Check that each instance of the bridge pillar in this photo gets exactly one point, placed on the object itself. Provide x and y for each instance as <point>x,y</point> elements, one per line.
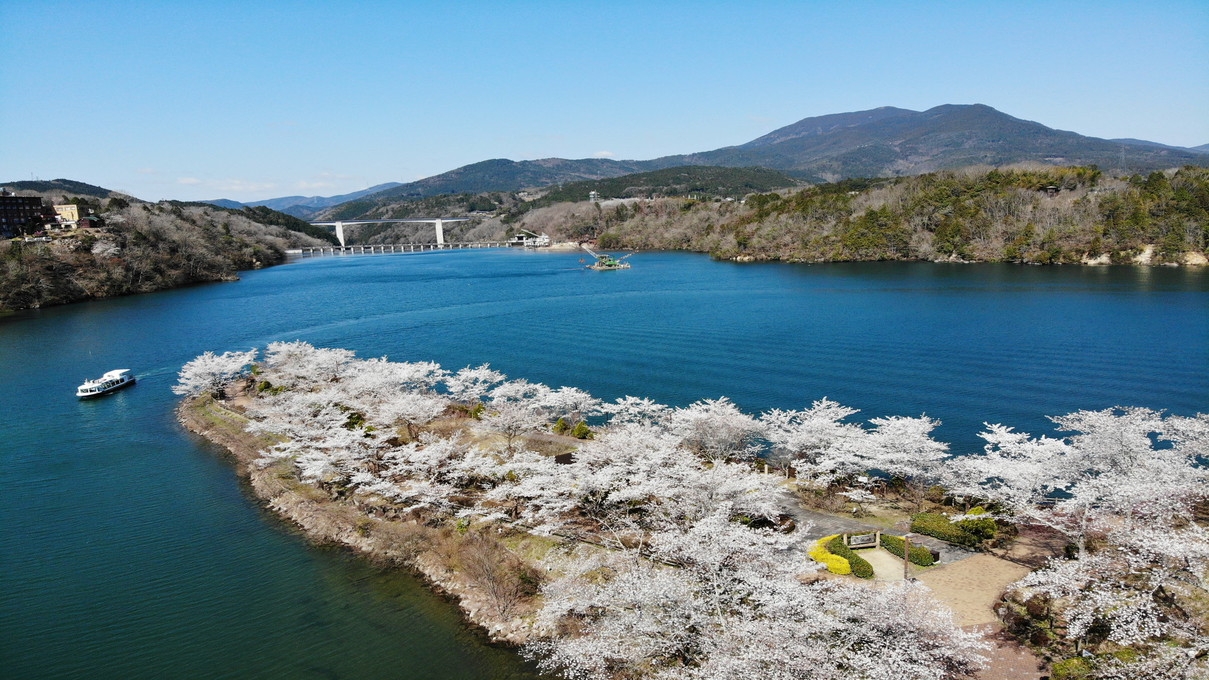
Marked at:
<point>440,232</point>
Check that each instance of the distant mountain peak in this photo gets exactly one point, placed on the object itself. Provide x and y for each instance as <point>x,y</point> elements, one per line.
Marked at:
<point>889,141</point>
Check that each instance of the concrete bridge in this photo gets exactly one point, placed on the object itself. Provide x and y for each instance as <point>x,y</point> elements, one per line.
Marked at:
<point>437,222</point>
<point>525,239</point>
<point>398,248</point>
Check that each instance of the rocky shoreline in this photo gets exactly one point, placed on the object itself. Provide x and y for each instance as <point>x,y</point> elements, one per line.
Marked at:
<point>430,552</point>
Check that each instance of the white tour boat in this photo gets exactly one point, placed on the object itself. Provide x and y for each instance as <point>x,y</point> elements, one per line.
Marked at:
<point>111,381</point>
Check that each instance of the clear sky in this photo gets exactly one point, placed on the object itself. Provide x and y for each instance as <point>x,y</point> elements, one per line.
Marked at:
<point>258,99</point>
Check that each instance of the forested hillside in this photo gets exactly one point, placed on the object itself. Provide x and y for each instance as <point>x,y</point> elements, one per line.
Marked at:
<point>705,180</point>
<point>1034,214</point>
<point>142,247</point>
<point>61,187</point>
<point>501,174</point>
<point>491,211</point>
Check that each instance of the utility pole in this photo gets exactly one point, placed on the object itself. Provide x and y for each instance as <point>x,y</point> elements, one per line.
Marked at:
<point>907,556</point>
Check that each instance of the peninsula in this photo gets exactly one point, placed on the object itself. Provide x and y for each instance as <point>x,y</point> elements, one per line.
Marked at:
<point>565,524</point>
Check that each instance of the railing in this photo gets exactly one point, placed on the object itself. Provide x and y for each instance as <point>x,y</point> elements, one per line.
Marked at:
<point>400,248</point>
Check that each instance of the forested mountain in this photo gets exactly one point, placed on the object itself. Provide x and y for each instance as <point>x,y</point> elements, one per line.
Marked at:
<point>1033,214</point>
<point>705,181</point>
<point>497,175</point>
<point>887,142</point>
<point>61,187</point>
<point>140,247</point>
<point>501,174</point>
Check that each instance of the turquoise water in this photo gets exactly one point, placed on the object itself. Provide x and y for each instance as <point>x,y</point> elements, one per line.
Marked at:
<point>128,549</point>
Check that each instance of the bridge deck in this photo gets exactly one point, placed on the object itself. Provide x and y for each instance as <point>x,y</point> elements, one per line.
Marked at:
<point>371,249</point>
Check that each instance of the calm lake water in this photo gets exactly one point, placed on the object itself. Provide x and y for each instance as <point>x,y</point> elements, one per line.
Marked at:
<point>128,548</point>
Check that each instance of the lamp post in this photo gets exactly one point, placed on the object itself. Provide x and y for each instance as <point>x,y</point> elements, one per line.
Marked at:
<point>907,556</point>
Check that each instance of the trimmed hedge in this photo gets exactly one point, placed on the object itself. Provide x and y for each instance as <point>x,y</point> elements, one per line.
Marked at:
<point>919,554</point>
<point>860,567</point>
<point>983,529</point>
<point>834,563</point>
<point>939,526</point>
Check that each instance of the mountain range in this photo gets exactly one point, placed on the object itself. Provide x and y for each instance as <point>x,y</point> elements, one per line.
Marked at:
<point>880,142</point>
<point>304,204</point>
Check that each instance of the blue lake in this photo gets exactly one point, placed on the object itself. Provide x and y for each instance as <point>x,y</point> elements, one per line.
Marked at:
<point>128,548</point>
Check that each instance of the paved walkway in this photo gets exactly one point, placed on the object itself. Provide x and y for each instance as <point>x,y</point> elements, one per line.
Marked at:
<point>886,566</point>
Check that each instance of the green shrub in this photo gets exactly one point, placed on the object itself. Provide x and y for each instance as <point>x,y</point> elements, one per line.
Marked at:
<point>859,565</point>
<point>1128,655</point>
<point>1070,669</point>
<point>581,431</point>
<point>561,426</point>
<point>983,529</point>
<point>939,526</point>
<point>834,563</point>
<point>266,386</point>
<point>919,554</point>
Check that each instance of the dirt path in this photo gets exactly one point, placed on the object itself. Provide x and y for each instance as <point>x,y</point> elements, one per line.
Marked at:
<point>972,586</point>
<point>1008,659</point>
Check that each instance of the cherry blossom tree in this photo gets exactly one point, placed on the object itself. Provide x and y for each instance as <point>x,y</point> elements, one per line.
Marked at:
<point>570,403</point>
<point>732,607</point>
<point>520,391</point>
<point>421,376</point>
<point>414,409</point>
<point>211,373</point>
<point>1109,471</point>
<point>815,442</point>
<point>635,410</point>
<point>904,448</point>
<point>630,481</point>
<point>470,385</point>
<point>294,363</point>
<point>716,429</point>
<point>1131,478</point>
<point>1136,595</point>
<point>512,419</point>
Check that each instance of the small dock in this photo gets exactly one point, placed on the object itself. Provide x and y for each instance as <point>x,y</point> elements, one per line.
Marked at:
<point>377,249</point>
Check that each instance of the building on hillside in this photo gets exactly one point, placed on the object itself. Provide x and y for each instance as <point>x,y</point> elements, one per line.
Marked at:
<point>21,215</point>
<point>70,214</point>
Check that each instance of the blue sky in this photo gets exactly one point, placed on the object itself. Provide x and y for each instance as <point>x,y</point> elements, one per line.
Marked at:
<point>251,100</point>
